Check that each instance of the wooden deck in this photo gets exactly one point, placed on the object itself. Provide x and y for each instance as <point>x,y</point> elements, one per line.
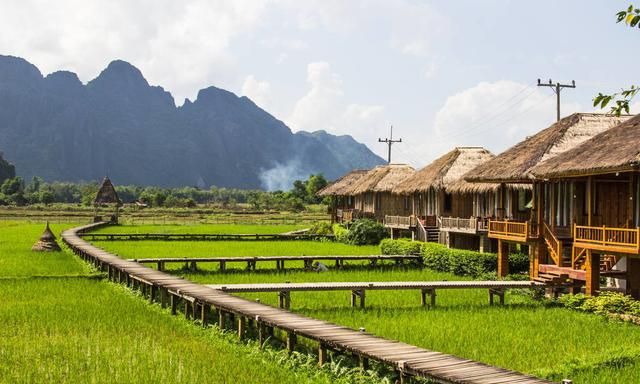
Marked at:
<point>358,289</point>
<point>200,236</point>
<point>202,302</point>
<point>251,261</point>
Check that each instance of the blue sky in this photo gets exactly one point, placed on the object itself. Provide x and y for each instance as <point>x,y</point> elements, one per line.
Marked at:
<point>444,73</point>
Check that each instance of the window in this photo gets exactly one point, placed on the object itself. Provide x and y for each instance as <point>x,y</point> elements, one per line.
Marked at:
<point>524,200</point>
<point>406,202</point>
<point>448,202</point>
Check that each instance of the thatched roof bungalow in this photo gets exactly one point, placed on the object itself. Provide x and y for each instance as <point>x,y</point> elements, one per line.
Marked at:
<point>342,201</point>
<point>107,196</point>
<point>514,165</point>
<point>373,192</point>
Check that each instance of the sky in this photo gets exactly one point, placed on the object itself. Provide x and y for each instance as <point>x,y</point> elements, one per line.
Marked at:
<point>443,73</point>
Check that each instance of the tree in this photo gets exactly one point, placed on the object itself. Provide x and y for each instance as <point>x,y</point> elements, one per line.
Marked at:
<point>7,170</point>
<point>314,184</point>
<point>631,17</point>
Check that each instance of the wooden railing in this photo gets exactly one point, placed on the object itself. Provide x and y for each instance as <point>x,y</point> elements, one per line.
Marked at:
<point>399,221</point>
<point>421,231</point>
<point>458,224</point>
<point>621,240</point>
<point>553,244</point>
<point>509,230</point>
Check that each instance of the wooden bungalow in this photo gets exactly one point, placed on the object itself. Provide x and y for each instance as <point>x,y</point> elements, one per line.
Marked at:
<point>444,207</point>
<point>342,205</point>
<point>372,193</point>
<point>514,167</point>
<point>590,212</point>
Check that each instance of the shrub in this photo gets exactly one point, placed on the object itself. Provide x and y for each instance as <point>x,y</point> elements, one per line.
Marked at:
<point>366,232</point>
<point>518,263</point>
<point>606,302</point>
<point>400,247</point>
<point>340,232</point>
<point>321,228</point>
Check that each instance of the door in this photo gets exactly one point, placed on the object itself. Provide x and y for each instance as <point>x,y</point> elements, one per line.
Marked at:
<point>611,204</point>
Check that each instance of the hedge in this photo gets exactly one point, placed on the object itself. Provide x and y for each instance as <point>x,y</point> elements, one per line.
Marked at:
<point>457,261</point>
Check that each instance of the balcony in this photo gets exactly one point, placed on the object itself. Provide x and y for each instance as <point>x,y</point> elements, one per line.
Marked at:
<point>401,222</point>
<point>472,225</point>
<point>516,231</point>
<point>607,239</point>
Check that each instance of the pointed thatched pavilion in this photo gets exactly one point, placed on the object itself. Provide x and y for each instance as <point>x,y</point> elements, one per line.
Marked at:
<point>602,176</point>
<point>514,166</point>
<point>107,197</point>
<point>47,242</point>
<point>342,203</point>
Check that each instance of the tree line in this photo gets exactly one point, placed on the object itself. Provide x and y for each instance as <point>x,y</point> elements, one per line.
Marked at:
<point>15,191</point>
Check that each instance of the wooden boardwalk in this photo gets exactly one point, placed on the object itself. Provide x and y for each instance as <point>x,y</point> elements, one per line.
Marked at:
<point>201,236</point>
<point>251,261</point>
<point>248,317</point>
<point>358,289</point>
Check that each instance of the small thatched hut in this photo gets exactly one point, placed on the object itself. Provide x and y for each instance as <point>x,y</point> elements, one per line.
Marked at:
<point>372,193</point>
<point>515,166</point>
<point>342,202</point>
<point>602,180</point>
<point>107,197</point>
<point>47,242</point>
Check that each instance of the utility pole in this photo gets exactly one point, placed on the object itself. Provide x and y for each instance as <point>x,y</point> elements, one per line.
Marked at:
<point>557,87</point>
<point>389,142</point>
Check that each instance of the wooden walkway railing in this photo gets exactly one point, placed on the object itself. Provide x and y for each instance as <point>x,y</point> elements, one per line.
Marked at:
<point>201,236</point>
<point>358,289</point>
<point>243,315</point>
<point>620,240</point>
<point>463,225</point>
<point>404,222</point>
<point>251,261</point>
<point>509,230</point>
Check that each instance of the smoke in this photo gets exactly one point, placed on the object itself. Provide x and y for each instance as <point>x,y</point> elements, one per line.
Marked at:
<point>282,176</point>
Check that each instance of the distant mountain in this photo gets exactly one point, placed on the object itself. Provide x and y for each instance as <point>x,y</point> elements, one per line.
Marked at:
<point>117,124</point>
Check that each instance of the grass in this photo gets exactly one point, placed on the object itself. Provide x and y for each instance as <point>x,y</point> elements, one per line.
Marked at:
<point>523,335</point>
<point>17,259</point>
<point>208,228</point>
<point>81,331</point>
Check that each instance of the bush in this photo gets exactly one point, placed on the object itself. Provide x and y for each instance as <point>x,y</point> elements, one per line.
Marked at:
<point>606,302</point>
<point>341,233</point>
<point>366,232</point>
<point>321,228</point>
<point>400,247</point>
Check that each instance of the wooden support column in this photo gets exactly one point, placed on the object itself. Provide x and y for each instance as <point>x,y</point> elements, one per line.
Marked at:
<point>291,341</point>
<point>355,294</point>
<point>503,258</point>
<point>221,319</point>
<point>284,299</point>
<point>322,354</point>
<point>261,331</point>
<point>633,277</point>
<point>242,327</point>
<point>496,292</point>
<point>537,255</point>
<point>592,265</point>
<point>589,200</point>
<point>174,304</point>
<point>431,293</point>
<point>153,292</point>
<point>204,314</point>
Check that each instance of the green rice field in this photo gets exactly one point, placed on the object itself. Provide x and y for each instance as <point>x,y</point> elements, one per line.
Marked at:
<point>524,335</point>
<point>208,228</point>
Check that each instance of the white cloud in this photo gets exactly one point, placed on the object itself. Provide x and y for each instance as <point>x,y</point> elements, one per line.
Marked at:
<point>495,115</point>
<point>258,91</point>
<point>181,46</point>
<point>324,107</point>
<point>634,108</point>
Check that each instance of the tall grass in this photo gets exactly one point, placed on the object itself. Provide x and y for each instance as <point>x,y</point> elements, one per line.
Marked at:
<point>17,259</point>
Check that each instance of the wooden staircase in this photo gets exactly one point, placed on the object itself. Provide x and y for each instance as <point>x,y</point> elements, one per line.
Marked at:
<point>433,234</point>
<point>607,262</point>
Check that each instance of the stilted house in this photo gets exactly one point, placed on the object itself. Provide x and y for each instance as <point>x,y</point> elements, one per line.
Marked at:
<point>514,167</point>
<point>454,217</point>
<point>47,242</point>
<point>590,194</point>
<point>372,192</point>
<point>107,198</point>
<point>342,206</point>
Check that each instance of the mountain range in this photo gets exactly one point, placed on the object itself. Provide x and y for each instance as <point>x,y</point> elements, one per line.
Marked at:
<point>117,124</point>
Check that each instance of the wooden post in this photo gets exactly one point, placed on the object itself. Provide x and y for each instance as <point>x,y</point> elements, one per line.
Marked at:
<point>592,265</point>
<point>204,314</point>
<point>537,254</point>
<point>174,304</point>
<point>322,354</point>
<point>241,327</point>
<point>221,319</point>
<point>153,292</point>
<point>291,341</point>
<point>589,198</point>
<point>503,258</point>
<point>261,331</point>
<point>223,266</point>
<point>633,277</point>
<point>163,297</point>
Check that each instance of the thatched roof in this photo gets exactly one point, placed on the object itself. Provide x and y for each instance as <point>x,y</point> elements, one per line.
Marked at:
<point>47,242</point>
<point>382,178</point>
<point>106,194</point>
<point>343,185</point>
<point>445,170</point>
<point>463,186</point>
<point>614,150</point>
<point>514,164</point>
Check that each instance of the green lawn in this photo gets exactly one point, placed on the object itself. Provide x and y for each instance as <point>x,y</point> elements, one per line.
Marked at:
<point>17,260</point>
<point>80,331</point>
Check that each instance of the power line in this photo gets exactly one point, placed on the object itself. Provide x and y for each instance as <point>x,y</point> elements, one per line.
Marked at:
<point>557,87</point>
<point>389,141</point>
